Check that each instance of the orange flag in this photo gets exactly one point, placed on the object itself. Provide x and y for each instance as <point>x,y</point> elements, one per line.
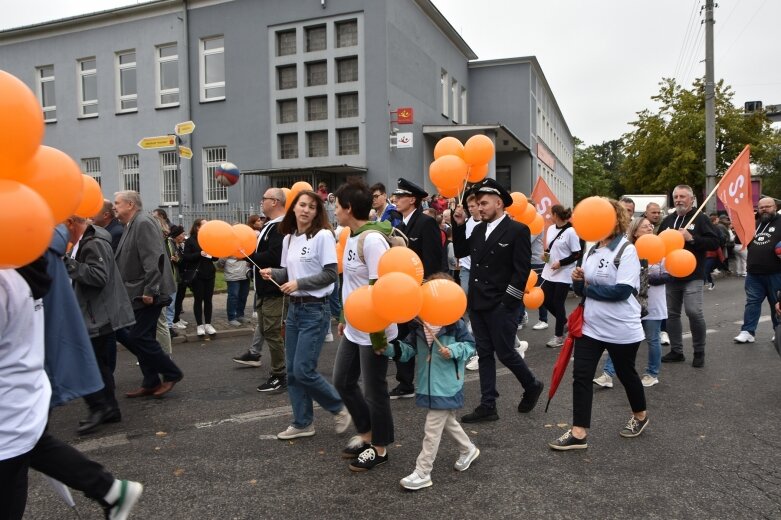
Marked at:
<point>735,193</point>
<point>545,200</point>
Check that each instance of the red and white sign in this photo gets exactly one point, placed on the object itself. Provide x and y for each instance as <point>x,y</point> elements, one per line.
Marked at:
<point>734,191</point>
<point>544,155</point>
<point>404,115</point>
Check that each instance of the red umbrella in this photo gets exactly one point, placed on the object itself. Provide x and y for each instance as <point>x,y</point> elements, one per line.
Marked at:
<point>575,330</point>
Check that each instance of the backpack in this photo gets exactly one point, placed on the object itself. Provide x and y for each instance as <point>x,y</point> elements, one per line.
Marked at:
<point>642,295</point>
<point>395,239</point>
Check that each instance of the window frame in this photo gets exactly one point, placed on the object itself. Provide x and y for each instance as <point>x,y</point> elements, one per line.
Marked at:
<point>444,85</point>
<point>280,145</point>
<point>339,24</point>
<point>118,68</point>
<point>309,143</point>
<point>202,54</point>
<point>342,95</point>
<point>277,38</point>
<point>125,172</point>
<point>88,167</point>
<point>340,132</point>
<point>159,90</point>
<point>82,74</point>
<point>463,98</point>
<point>344,59</point>
<point>454,90</point>
<point>280,103</point>
<point>308,29</point>
<point>39,82</point>
<point>289,66</point>
<point>169,169</point>
<point>209,181</point>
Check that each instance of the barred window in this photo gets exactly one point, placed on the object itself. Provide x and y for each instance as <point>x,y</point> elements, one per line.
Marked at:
<point>347,33</point>
<point>286,42</point>
<point>348,141</point>
<point>286,77</point>
<point>212,158</point>
<point>317,144</point>
<point>169,178</point>
<point>288,146</point>
<point>91,166</point>
<point>316,73</point>
<point>347,104</point>
<point>316,108</point>
<point>315,38</point>
<point>287,111</point>
<point>347,69</point>
<point>129,175</point>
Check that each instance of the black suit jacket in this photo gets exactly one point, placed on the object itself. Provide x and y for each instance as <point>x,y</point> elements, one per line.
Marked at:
<point>500,264</point>
<point>426,240</point>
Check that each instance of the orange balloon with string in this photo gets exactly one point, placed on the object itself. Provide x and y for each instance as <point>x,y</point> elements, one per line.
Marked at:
<point>26,224</point>
<point>92,198</point>
<point>390,290</point>
<point>247,240</point>
<point>534,298</point>
<point>359,311</point>
<point>448,146</point>
<point>217,238</point>
<point>58,179</point>
<point>401,260</point>
<point>531,282</point>
<point>444,302</point>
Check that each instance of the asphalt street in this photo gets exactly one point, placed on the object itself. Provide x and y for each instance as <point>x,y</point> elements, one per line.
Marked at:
<point>208,450</point>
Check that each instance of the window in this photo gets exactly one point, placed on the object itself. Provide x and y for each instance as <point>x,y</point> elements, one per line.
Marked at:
<point>316,108</point>
<point>286,77</point>
<point>348,141</point>
<point>347,105</point>
<point>288,146</point>
<point>127,93</point>
<point>347,69</point>
<point>169,178</point>
<point>45,76</point>
<point>316,73</point>
<point>347,33</point>
<point>455,98</point>
<point>463,105</point>
<point>445,89</point>
<point>212,158</point>
<point>129,177</point>
<point>315,38</point>
<point>286,43</point>
<point>317,144</point>
<point>212,69</point>
<point>91,167</point>
<point>167,75</point>
<point>88,88</point>
<point>287,111</point>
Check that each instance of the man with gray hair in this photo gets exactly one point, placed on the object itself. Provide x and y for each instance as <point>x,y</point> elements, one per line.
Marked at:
<point>699,236</point>
<point>143,262</point>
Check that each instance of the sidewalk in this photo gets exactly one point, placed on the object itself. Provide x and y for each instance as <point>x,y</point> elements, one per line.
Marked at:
<point>219,319</point>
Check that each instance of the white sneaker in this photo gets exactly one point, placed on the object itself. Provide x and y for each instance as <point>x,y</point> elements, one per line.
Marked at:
<point>524,320</point>
<point>342,420</point>
<point>472,364</point>
<point>255,315</point>
<point>744,337</point>
<point>521,347</point>
<point>180,325</point>
<point>234,323</point>
<point>466,460</point>
<point>605,381</point>
<point>555,342</point>
<point>414,481</point>
<point>129,495</point>
<point>294,433</point>
<point>540,325</point>
<point>201,331</point>
<point>209,329</point>
<point>329,338</point>
<point>664,338</point>
<point>649,380</point>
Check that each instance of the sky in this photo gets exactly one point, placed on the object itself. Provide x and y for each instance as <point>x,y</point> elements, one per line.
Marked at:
<point>602,58</point>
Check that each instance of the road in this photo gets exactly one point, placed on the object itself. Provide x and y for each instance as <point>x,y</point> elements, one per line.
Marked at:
<point>208,450</point>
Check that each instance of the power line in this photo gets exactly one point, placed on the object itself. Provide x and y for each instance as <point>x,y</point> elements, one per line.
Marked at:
<point>694,58</point>
<point>687,34</point>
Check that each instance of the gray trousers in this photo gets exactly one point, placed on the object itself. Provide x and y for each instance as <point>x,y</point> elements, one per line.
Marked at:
<point>438,421</point>
<point>686,295</point>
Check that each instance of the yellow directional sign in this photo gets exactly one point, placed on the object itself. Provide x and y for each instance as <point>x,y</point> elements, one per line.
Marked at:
<point>185,153</point>
<point>160,141</point>
<point>184,128</point>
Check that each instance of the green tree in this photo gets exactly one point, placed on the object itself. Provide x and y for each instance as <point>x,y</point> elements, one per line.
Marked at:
<point>611,155</point>
<point>590,175</point>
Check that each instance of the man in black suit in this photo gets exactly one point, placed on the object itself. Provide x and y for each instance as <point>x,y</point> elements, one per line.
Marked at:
<point>500,250</point>
<point>424,238</point>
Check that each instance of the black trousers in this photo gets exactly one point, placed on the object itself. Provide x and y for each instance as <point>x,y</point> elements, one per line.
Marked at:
<point>140,340</point>
<point>588,351</point>
<point>103,346</point>
<point>203,291</point>
<point>181,289</point>
<point>555,298</point>
<point>405,371</point>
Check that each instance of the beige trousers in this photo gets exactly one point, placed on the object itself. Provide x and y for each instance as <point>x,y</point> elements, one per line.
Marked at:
<point>163,336</point>
<point>436,422</point>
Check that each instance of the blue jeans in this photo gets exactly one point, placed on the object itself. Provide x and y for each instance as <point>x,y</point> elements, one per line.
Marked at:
<point>335,302</point>
<point>759,287</point>
<point>463,278</point>
<point>305,330</point>
<point>237,298</point>
<point>652,329</point>
<point>169,311</point>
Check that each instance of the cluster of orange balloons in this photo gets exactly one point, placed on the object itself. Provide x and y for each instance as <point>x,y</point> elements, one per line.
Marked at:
<point>220,239</point>
<point>398,296</point>
<point>525,212</point>
<point>667,246</point>
<point>40,186</point>
<point>455,163</point>
<point>533,297</point>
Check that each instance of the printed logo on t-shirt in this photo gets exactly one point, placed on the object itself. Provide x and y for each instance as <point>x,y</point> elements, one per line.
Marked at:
<point>306,254</point>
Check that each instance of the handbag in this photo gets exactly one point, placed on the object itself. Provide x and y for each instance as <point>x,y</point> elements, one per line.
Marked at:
<point>189,276</point>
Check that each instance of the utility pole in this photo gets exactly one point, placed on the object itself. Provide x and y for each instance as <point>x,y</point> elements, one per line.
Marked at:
<point>710,108</point>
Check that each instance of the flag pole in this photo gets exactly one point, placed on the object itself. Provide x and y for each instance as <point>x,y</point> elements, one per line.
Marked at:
<point>702,206</point>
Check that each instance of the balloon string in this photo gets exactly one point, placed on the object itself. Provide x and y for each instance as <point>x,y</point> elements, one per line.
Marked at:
<point>436,340</point>
<point>248,259</point>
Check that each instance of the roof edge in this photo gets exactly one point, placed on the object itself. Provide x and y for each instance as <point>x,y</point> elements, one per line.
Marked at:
<point>444,25</point>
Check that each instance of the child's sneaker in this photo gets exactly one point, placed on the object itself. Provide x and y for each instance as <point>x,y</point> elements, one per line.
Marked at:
<point>368,459</point>
<point>466,460</point>
<point>129,493</point>
<point>472,364</point>
<point>413,481</point>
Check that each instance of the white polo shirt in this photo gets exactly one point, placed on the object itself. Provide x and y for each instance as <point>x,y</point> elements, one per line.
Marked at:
<point>562,247</point>
<point>303,257</point>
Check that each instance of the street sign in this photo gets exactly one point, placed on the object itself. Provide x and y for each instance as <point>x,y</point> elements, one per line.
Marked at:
<point>404,140</point>
<point>160,141</point>
<point>185,153</point>
<point>184,128</point>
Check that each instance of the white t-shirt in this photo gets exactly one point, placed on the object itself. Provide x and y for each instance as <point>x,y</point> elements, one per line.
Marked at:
<point>562,247</point>
<point>303,257</point>
<point>25,392</point>
<point>657,295</point>
<point>466,262</point>
<point>356,274</point>
<point>613,322</point>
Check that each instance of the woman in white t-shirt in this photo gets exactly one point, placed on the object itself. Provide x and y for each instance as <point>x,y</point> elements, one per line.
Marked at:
<point>307,277</point>
<point>563,247</point>
<point>608,281</point>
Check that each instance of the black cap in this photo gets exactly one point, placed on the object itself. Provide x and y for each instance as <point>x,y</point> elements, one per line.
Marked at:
<point>492,187</point>
<point>406,187</point>
<point>175,231</point>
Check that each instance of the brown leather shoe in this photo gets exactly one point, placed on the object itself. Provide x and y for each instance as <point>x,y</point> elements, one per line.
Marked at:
<point>164,388</point>
<point>142,392</point>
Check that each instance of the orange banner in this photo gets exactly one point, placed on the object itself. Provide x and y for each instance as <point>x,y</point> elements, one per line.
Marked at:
<point>735,193</point>
<point>544,199</point>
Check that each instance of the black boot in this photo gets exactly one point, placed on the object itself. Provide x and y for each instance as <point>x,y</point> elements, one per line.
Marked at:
<point>98,417</point>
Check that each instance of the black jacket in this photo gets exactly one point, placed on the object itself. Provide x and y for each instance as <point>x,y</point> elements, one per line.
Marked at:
<point>704,233</point>
<point>426,240</point>
<point>115,229</point>
<point>192,260</point>
<point>267,254</point>
<point>500,264</point>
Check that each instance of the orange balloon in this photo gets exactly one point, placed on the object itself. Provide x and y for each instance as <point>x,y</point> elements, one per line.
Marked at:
<point>247,240</point>
<point>672,239</point>
<point>444,302</point>
<point>518,207</point>
<point>58,179</point>
<point>594,218</point>
<point>650,247</point>
<point>344,235</point>
<point>680,263</point>
<point>401,260</point>
<point>92,198</point>
<point>339,258</point>
<point>26,224</point>
<point>218,238</point>
<point>448,171</point>
<point>300,186</point>
<point>448,146</point>
<point>359,311</point>
<point>288,197</point>
<point>531,282</point>
<point>536,226</point>
<point>449,192</point>
<point>477,172</point>
<point>21,126</point>
<point>391,290</point>
<point>528,215</point>
<point>479,149</point>
<point>534,298</point>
